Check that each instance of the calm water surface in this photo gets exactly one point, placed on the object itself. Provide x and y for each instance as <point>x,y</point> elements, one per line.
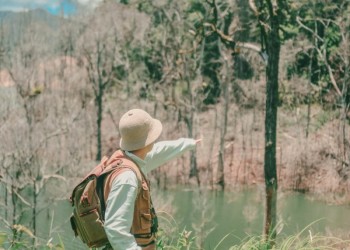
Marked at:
<point>235,215</point>
<point>214,216</point>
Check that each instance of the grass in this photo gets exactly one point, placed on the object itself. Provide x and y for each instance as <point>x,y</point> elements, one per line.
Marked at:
<point>297,242</point>
<point>304,240</point>
<point>294,242</point>
<point>171,238</point>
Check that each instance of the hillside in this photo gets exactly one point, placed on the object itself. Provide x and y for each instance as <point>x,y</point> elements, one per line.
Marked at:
<point>70,80</point>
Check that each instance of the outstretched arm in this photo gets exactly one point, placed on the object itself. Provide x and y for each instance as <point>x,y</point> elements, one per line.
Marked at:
<point>165,151</point>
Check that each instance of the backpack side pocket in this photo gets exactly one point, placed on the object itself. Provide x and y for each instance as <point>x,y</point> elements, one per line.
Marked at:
<point>92,228</point>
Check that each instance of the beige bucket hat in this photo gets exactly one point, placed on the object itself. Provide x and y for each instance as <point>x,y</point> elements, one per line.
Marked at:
<point>138,130</point>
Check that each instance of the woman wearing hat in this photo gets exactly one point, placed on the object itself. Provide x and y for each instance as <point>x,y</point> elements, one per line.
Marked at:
<point>130,220</point>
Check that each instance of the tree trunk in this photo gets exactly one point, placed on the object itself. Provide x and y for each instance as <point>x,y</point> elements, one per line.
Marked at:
<point>14,213</point>
<point>270,212</point>
<point>210,169</point>
<point>193,162</point>
<point>99,122</point>
<point>273,51</point>
<point>34,211</point>
<point>345,110</point>
<point>223,130</point>
<point>6,201</point>
<point>189,120</point>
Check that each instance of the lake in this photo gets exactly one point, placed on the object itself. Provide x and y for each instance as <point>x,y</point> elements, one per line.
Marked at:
<point>214,216</point>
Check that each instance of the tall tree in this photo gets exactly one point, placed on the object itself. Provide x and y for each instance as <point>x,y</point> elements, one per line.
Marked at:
<point>176,71</point>
<point>269,14</point>
<point>107,32</point>
<point>30,126</point>
<point>329,59</point>
<point>219,25</point>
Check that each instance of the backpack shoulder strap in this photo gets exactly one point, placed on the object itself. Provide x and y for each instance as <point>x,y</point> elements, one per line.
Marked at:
<point>124,166</point>
<point>94,173</point>
<point>129,164</point>
<point>117,164</point>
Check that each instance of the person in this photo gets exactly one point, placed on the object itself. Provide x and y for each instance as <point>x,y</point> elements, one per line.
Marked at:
<point>124,226</point>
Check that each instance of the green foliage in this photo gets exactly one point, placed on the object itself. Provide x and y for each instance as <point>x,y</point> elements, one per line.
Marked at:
<point>22,238</point>
<point>289,31</point>
<point>3,238</point>
<point>196,6</point>
<point>242,68</point>
<point>154,64</point>
<point>170,237</point>
<point>247,31</point>
<point>321,25</point>
<point>196,19</point>
<point>251,243</point>
<point>145,6</point>
<point>8,241</point>
<point>200,13</point>
<point>300,242</point>
<point>196,12</point>
<point>120,72</point>
<point>332,38</point>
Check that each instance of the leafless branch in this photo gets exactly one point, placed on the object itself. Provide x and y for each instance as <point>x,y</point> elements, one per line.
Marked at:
<point>323,55</point>
<point>22,199</point>
<point>112,118</point>
<point>250,46</point>
<point>44,140</point>
<point>308,29</point>
<point>253,7</point>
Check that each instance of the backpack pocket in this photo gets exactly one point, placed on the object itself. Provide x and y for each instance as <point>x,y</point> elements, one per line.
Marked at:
<point>73,224</point>
<point>91,228</point>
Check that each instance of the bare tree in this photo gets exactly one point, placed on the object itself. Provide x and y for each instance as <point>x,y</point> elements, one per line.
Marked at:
<point>106,33</point>
<point>176,71</point>
<point>224,117</point>
<point>31,128</point>
<point>336,60</point>
<point>219,28</point>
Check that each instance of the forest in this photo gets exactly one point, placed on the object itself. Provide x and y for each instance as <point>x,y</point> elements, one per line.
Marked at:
<point>263,83</point>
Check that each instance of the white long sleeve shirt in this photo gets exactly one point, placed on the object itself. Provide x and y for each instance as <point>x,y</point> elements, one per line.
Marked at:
<point>121,199</point>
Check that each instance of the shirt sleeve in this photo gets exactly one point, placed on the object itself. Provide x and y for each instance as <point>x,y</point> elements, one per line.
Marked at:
<point>120,211</point>
<point>165,151</point>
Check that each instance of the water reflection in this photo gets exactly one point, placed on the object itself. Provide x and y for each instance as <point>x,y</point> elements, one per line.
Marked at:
<point>235,215</point>
<point>213,216</point>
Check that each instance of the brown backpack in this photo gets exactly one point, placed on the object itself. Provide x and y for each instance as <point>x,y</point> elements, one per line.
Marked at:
<point>88,203</point>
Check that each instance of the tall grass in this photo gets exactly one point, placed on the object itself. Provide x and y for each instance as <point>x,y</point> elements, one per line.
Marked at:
<point>294,242</point>
<point>304,240</point>
<point>171,238</point>
<point>24,242</point>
